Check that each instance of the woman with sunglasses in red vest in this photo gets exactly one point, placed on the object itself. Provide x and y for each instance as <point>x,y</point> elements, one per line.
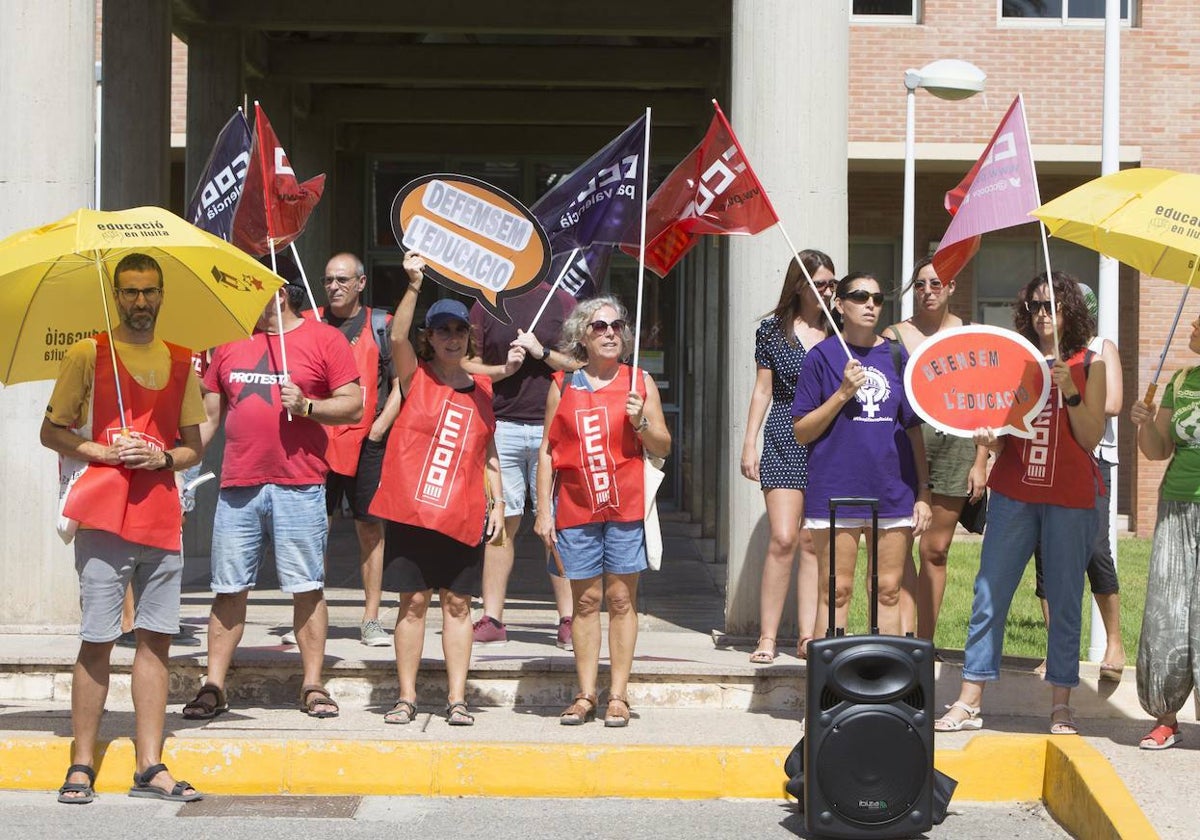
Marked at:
<point>591,501</point>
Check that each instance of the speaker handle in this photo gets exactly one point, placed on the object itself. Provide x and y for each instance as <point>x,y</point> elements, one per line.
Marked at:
<point>853,501</point>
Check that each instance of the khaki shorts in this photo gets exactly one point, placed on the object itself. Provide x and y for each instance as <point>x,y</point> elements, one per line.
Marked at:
<point>950,458</point>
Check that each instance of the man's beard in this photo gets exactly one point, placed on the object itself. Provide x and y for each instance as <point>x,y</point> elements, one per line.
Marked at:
<point>138,321</point>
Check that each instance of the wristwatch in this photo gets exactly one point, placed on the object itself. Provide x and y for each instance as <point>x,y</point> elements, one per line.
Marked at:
<point>645,424</point>
<point>168,461</point>
<point>1073,401</point>
<point>545,352</point>
<point>308,408</point>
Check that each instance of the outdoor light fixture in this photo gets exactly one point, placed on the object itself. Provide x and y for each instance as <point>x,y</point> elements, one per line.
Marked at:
<point>946,78</point>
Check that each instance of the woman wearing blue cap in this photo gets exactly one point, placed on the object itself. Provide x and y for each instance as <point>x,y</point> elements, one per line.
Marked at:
<point>439,457</point>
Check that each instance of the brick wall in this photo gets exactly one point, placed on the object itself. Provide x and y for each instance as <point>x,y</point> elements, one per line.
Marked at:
<point>1059,70</point>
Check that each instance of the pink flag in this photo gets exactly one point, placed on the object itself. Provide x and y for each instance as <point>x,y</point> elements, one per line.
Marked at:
<point>999,192</point>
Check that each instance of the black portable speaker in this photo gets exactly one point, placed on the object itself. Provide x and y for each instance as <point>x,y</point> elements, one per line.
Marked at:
<point>868,744</point>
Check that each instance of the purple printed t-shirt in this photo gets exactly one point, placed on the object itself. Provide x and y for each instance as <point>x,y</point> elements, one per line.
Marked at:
<point>865,451</point>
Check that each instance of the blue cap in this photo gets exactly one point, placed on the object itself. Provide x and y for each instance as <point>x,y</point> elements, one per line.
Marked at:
<point>445,310</point>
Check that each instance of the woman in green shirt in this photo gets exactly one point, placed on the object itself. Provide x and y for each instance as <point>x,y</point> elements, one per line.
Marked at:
<point>1168,663</point>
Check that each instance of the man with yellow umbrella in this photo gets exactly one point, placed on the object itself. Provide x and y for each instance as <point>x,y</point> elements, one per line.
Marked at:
<point>126,407</point>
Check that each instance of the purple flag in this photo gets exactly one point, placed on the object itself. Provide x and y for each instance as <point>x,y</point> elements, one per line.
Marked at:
<point>220,187</point>
<point>583,277</point>
<point>598,203</point>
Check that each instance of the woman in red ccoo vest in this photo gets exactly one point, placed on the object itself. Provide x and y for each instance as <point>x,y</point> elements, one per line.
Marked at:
<point>591,503</point>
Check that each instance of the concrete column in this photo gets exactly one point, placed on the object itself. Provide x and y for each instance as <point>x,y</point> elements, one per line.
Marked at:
<point>311,154</point>
<point>47,62</point>
<point>214,90</point>
<point>791,117</point>
<point>135,107</point>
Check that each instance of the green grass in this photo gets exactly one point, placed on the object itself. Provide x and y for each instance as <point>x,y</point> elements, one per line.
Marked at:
<point>1025,634</point>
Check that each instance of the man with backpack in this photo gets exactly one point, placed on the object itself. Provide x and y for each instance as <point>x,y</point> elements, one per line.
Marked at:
<point>355,452</point>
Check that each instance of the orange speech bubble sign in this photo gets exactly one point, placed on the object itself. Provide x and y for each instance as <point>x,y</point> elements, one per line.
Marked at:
<point>974,376</point>
<point>475,238</point>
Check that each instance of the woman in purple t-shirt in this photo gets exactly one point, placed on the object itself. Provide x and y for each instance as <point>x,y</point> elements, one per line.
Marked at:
<point>864,439</point>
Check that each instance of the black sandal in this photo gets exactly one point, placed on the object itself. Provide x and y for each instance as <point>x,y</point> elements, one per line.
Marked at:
<point>142,789</point>
<point>457,715</point>
<point>203,709</point>
<point>87,789</point>
<point>402,712</point>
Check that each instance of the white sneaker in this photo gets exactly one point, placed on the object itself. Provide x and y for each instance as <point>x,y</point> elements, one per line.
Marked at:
<point>288,638</point>
<point>373,634</point>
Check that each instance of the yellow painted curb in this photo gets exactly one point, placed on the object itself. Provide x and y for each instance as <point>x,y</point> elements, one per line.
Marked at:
<point>1074,780</point>
<point>1085,794</point>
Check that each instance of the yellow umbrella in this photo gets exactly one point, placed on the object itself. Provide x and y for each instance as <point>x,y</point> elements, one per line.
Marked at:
<point>56,280</point>
<point>1146,218</point>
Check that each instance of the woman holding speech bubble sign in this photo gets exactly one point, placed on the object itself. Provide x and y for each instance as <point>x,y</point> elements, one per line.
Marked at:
<point>864,440</point>
<point>957,467</point>
<point>783,340</point>
<point>1043,494</point>
<point>440,456</point>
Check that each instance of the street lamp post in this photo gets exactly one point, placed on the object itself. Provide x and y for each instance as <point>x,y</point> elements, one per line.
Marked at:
<point>946,78</point>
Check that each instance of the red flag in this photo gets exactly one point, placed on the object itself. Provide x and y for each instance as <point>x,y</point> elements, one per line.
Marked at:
<point>273,206</point>
<point>999,192</point>
<point>713,190</point>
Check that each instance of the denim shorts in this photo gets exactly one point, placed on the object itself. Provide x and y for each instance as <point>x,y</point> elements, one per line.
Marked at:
<point>517,445</point>
<point>291,518</point>
<point>587,551</point>
<point>106,564</point>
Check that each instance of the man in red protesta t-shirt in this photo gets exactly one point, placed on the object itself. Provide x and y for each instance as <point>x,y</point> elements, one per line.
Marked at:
<point>121,450</point>
<point>274,391</point>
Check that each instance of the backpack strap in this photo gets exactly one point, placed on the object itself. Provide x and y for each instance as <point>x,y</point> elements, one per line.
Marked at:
<point>379,326</point>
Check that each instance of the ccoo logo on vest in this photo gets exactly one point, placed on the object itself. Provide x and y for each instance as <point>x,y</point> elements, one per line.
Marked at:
<point>476,239</point>
<point>445,451</point>
<point>592,428</point>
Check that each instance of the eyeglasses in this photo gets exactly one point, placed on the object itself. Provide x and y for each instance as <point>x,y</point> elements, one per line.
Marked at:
<point>598,327</point>
<point>1033,307</point>
<point>862,296</point>
<point>341,281</point>
<point>131,295</point>
<point>935,286</point>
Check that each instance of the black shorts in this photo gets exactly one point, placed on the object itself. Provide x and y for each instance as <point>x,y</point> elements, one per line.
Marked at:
<point>420,559</point>
<point>358,489</point>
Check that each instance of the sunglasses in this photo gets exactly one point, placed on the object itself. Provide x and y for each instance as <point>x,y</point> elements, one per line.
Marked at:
<point>862,296</point>
<point>934,285</point>
<point>131,295</point>
<point>822,285</point>
<point>341,281</point>
<point>598,327</point>
<point>1033,307</point>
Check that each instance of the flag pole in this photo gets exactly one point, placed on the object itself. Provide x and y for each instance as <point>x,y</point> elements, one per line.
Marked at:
<point>637,324</point>
<point>312,301</point>
<point>553,289</point>
<point>112,344</point>
<point>1045,240</point>
<point>279,319</point>
<point>795,255</point>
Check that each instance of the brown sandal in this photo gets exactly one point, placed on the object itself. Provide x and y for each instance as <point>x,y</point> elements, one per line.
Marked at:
<point>207,704</point>
<point>577,713</point>
<point>312,696</point>
<point>616,716</point>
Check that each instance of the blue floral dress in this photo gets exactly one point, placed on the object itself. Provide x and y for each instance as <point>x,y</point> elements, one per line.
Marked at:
<point>784,463</point>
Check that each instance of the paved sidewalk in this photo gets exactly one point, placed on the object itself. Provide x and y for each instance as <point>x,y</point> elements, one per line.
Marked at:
<point>727,724</point>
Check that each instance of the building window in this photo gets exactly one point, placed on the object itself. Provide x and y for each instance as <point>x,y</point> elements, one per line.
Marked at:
<point>901,11</point>
<point>1003,267</point>
<point>1061,11</point>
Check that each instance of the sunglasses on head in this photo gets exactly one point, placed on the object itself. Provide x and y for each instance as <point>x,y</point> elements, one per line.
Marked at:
<point>598,326</point>
<point>1033,307</point>
<point>862,296</point>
